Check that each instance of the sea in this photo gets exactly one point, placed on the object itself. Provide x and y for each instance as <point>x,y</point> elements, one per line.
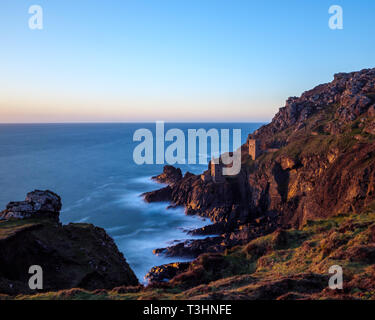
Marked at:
<point>91,166</point>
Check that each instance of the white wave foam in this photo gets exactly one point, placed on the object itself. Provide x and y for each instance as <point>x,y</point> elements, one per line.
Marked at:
<point>82,220</point>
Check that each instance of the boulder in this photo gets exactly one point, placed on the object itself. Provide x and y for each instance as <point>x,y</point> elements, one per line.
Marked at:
<point>166,272</point>
<point>37,203</point>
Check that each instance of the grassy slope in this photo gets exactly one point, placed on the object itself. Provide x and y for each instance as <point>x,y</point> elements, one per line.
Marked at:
<point>281,255</point>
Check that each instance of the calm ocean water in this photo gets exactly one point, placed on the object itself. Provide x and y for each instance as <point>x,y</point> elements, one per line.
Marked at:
<point>91,167</point>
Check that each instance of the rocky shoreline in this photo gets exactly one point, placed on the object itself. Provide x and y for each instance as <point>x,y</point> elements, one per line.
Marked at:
<point>221,235</point>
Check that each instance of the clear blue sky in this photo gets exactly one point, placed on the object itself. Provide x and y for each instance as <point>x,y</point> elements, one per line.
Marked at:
<point>196,60</point>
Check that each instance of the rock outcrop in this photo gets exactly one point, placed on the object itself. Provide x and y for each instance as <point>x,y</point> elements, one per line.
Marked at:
<point>166,272</point>
<point>72,256</point>
<point>351,93</point>
<point>226,238</point>
<point>221,202</point>
<point>170,175</point>
<point>37,204</point>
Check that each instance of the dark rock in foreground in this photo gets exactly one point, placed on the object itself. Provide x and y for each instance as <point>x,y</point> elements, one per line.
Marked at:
<point>72,256</point>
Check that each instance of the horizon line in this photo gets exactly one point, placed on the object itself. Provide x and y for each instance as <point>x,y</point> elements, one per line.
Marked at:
<point>127,122</point>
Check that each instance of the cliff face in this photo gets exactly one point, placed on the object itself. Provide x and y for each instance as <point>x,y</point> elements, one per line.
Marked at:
<point>321,161</point>
<point>352,94</point>
<point>71,256</point>
<point>317,161</point>
<point>325,162</point>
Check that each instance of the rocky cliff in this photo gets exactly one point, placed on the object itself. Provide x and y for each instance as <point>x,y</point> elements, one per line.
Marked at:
<point>288,264</point>
<point>317,161</point>
<point>321,163</point>
<point>72,256</point>
<point>325,163</point>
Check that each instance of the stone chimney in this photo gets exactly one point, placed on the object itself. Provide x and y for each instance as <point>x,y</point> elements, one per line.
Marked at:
<point>254,148</point>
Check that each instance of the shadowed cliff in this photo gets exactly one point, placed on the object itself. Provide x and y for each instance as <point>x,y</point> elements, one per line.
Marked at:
<point>73,255</point>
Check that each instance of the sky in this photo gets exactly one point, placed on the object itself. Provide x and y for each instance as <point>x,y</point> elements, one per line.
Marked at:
<point>173,60</point>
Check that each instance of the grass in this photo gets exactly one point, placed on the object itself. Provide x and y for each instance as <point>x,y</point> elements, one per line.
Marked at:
<point>9,228</point>
<point>284,253</point>
<point>313,140</point>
